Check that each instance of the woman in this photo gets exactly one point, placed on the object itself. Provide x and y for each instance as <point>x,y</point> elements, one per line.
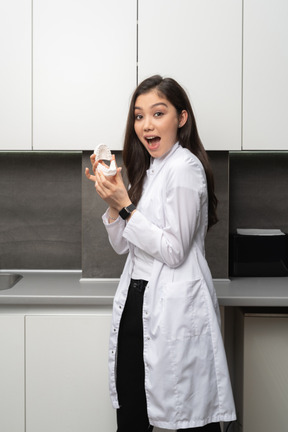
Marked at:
<point>167,361</point>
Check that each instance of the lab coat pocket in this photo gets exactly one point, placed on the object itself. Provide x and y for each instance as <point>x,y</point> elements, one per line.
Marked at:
<point>184,310</point>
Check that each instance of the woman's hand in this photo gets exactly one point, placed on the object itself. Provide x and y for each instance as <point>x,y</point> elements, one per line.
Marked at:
<point>111,189</point>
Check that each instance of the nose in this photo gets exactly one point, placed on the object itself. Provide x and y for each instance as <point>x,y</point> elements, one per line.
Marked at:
<point>148,124</point>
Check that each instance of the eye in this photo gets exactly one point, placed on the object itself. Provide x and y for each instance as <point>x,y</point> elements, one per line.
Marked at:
<point>138,116</point>
<point>158,114</point>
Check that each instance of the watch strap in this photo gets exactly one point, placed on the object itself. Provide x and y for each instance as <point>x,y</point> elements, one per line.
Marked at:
<point>126,211</point>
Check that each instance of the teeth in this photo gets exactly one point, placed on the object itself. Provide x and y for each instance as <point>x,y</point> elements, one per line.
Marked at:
<point>102,152</point>
<point>111,171</point>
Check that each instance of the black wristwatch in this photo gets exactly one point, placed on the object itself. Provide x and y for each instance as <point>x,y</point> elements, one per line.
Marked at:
<point>126,211</point>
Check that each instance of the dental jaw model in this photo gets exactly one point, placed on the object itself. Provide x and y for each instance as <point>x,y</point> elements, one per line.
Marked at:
<point>103,152</point>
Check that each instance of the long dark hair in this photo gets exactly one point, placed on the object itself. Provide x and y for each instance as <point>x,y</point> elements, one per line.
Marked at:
<point>137,159</point>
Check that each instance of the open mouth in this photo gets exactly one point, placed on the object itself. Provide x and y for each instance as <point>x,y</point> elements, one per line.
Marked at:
<point>153,141</point>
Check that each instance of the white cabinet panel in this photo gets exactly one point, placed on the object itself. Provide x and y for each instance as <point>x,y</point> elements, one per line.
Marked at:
<point>84,55</point>
<point>199,43</point>
<point>67,374</point>
<point>12,373</point>
<point>15,75</point>
<point>265,72</point>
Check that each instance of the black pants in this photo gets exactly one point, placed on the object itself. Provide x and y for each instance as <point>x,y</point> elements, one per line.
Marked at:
<point>132,414</point>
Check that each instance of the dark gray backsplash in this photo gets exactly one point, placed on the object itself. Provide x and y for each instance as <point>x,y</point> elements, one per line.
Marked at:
<point>41,200</point>
<point>98,257</point>
<point>40,210</point>
<point>218,236</point>
<point>259,190</point>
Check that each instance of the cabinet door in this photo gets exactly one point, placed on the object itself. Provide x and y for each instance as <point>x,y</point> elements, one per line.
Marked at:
<point>67,374</point>
<point>84,55</point>
<point>265,71</point>
<point>12,373</point>
<point>15,75</point>
<point>198,43</point>
<point>265,377</point>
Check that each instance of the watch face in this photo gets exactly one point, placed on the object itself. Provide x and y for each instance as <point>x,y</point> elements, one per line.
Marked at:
<point>126,211</point>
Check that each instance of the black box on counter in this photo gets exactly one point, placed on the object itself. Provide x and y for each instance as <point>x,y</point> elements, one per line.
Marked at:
<point>258,253</point>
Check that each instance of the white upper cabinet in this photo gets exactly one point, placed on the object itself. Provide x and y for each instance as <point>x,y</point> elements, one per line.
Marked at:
<point>15,75</point>
<point>265,74</point>
<point>69,68</point>
<point>84,57</point>
<point>198,43</point>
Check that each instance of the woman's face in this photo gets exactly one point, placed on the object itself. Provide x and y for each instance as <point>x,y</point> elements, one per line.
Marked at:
<point>156,123</point>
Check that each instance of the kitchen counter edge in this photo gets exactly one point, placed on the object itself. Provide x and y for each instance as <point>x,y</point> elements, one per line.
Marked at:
<point>70,288</point>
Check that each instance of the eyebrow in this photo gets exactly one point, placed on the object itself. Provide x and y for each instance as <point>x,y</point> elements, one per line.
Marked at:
<point>153,106</point>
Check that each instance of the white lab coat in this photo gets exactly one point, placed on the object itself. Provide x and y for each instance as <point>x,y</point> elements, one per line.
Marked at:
<point>186,376</point>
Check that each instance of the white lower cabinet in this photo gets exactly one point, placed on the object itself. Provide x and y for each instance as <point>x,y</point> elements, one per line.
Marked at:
<point>67,374</point>
<point>260,370</point>
<point>12,373</point>
<point>54,372</point>
<point>265,378</point>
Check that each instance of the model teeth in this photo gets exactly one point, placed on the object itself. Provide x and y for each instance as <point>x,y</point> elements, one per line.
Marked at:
<point>103,152</point>
<point>111,171</point>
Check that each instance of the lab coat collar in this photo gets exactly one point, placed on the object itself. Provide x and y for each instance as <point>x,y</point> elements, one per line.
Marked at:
<point>157,163</point>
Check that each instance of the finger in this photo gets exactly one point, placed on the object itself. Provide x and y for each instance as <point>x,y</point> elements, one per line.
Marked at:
<point>97,176</point>
<point>100,189</point>
<point>114,158</point>
<point>106,182</point>
<point>94,166</point>
<point>101,179</point>
<point>89,176</point>
<point>99,182</point>
<point>118,176</point>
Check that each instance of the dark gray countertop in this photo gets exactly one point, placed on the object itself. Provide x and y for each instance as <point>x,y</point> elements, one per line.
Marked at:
<point>68,288</point>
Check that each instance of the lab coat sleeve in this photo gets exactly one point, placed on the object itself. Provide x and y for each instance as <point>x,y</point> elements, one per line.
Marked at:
<point>184,193</point>
<point>115,234</point>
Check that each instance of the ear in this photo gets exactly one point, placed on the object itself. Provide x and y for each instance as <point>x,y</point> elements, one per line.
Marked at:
<point>183,118</point>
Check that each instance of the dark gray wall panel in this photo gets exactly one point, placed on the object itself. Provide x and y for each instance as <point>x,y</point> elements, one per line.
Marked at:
<point>218,236</point>
<point>98,258</point>
<point>40,210</point>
